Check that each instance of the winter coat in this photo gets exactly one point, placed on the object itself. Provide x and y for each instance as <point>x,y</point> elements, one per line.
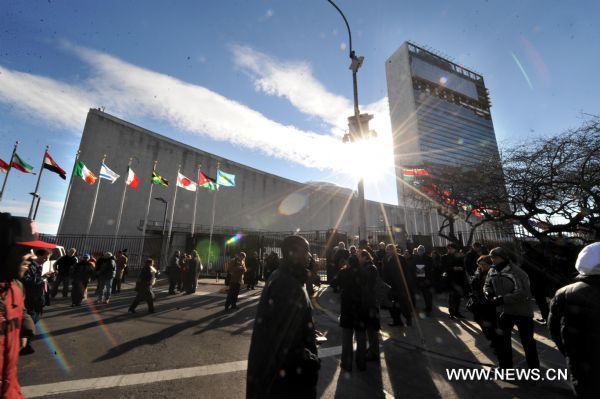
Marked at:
<point>511,283</point>
<point>34,288</point>
<point>173,270</point>
<point>15,320</point>
<point>353,310</point>
<point>83,271</point>
<point>393,275</point>
<point>236,272</point>
<point>143,284</point>
<point>121,262</point>
<point>106,269</point>
<point>454,267</point>
<point>64,264</point>
<point>283,347</point>
<point>250,276</point>
<point>574,323</point>
<point>423,270</point>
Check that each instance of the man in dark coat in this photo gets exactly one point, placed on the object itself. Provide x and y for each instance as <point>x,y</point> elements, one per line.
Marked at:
<point>533,266</point>
<point>393,274</point>
<point>173,272</point>
<point>574,323</point>
<point>456,277</point>
<point>252,268</point>
<point>106,270</point>
<point>424,277</point>
<point>471,258</point>
<point>34,285</point>
<point>63,269</point>
<point>283,361</point>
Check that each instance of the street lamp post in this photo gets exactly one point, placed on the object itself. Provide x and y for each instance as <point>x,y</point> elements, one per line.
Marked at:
<point>162,249</point>
<point>358,126</point>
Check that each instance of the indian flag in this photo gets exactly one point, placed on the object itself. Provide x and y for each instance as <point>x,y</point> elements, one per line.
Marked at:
<point>82,171</point>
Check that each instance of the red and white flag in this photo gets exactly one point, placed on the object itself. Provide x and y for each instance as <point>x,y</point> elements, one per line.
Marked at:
<point>186,183</point>
<point>132,180</point>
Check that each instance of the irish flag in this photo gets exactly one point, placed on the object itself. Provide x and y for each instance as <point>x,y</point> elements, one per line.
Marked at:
<point>21,165</point>
<point>3,166</point>
<point>132,180</point>
<point>186,183</point>
<point>82,171</point>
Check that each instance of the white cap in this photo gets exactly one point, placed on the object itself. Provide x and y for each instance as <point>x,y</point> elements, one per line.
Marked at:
<point>588,260</point>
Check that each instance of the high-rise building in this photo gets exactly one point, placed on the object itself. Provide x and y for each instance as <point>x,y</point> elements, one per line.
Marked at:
<point>440,111</point>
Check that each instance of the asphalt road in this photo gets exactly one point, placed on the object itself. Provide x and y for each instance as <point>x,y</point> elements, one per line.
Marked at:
<point>192,348</point>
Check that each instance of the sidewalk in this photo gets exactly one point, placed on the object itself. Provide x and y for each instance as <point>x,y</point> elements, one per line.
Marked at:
<point>460,343</point>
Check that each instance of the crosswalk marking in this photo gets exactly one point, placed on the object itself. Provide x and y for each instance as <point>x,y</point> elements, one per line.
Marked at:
<point>124,380</point>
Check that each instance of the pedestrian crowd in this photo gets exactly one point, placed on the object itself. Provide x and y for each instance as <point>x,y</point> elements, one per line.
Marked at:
<point>496,286</point>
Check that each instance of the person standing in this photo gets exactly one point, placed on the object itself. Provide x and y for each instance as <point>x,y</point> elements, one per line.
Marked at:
<point>507,287</point>
<point>456,278</point>
<point>18,236</point>
<point>393,275</point>
<point>539,283</point>
<point>105,272</point>
<point>33,283</point>
<point>250,276</point>
<point>283,360</point>
<point>83,271</point>
<point>236,271</point>
<point>484,313</point>
<point>143,286</point>
<point>193,272</point>
<point>173,272</point>
<point>372,322</point>
<point>62,267</point>
<point>353,312</point>
<point>121,261</point>
<point>574,323</point>
<point>424,277</point>
<point>471,258</point>
<point>271,264</point>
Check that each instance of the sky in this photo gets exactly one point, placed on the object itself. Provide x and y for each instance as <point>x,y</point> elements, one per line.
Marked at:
<point>267,84</point>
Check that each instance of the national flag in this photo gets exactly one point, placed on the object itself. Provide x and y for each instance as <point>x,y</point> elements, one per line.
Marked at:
<point>21,165</point>
<point>186,183</point>
<point>225,179</point>
<point>158,179</point>
<point>207,182</point>
<point>106,173</point>
<point>3,166</point>
<point>53,166</point>
<point>132,180</point>
<point>82,171</point>
<point>411,174</point>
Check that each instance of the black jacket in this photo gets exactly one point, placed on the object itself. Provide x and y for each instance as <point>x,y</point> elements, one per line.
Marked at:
<point>423,270</point>
<point>454,267</point>
<point>283,333</point>
<point>574,324</point>
<point>64,264</point>
<point>353,310</point>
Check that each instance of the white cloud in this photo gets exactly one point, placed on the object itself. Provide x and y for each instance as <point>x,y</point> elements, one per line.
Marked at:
<point>128,90</point>
<point>40,97</point>
<point>16,208</point>
<point>295,82</point>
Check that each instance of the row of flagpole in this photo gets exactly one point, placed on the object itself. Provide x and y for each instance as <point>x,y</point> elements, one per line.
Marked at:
<point>17,163</point>
<point>79,169</point>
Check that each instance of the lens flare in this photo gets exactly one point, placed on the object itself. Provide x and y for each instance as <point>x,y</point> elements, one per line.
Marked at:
<point>522,70</point>
<point>98,317</point>
<point>234,239</point>
<point>53,347</point>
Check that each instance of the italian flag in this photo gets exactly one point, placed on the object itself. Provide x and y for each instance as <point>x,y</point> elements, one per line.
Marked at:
<point>132,180</point>
<point>21,165</point>
<point>82,171</point>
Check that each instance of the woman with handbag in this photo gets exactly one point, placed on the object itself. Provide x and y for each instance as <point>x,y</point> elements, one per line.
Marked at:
<point>143,286</point>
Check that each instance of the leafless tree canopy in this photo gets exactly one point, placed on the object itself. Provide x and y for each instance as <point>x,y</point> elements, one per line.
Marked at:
<point>550,186</point>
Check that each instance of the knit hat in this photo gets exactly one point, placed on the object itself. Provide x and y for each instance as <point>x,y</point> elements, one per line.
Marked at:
<point>588,260</point>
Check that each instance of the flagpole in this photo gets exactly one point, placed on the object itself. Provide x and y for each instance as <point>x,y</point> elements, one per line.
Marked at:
<point>68,192</point>
<point>9,168</point>
<point>173,209</point>
<point>121,207</point>
<point>147,210</point>
<point>212,225</point>
<point>87,233</point>
<point>195,203</point>
<point>37,184</point>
